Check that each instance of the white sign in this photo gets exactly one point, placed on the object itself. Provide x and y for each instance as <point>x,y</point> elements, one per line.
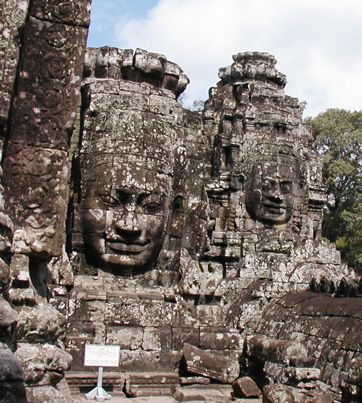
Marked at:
<point>101,356</point>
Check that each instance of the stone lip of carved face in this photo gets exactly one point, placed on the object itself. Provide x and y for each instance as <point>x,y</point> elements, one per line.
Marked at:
<point>269,195</point>
<point>123,226</point>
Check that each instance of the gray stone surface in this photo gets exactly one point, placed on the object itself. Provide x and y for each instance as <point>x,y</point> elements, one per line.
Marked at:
<point>246,387</point>
<point>43,364</point>
<point>44,394</point>
<point>13,14</point>
<point>11,377</point>
<point>210,365</point>
<point>278,394</point>
<point>219,393</point>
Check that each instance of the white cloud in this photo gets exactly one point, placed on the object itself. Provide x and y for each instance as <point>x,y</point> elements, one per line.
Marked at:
<point>317,43</point>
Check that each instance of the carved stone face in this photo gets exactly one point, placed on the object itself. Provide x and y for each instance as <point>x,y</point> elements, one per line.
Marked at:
<point>269,193</point>
<point>124,215</point>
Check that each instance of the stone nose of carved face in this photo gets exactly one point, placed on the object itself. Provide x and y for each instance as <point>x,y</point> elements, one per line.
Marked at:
<point>273,192</point>
<point>128,227</point>
<point>276,195</point>
<point>129,235</point>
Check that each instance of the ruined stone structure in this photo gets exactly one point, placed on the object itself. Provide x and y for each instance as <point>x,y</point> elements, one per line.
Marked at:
<point>190,239</point>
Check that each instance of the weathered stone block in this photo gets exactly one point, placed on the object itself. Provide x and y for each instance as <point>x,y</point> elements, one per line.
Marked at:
<point>216,393</point>
<point>210,365</point>
<point>66,12</point>
<point>150,63</point>
<point>152,384</point>
<point>40,323</point>
<point>127,337</point>
<point>127,312</point>
<point>304,374</point>
<point>152,313</point>
<point>182,335</point>
<point>246,387</point>
<point>42,364</point>
<point>318,396</point>
<point>149,361</point>
<point>278,393</point>
<point>274,350</point>
<point>303,362</point>
<point>211,315</point>
<point>198,380</point>
<point>158,339</point>
<point>44,394</point>
<point>75,345</point>
<point>183,315</point>
<point>8,320</point>
<point>216,338</point>
<point>22,296</point>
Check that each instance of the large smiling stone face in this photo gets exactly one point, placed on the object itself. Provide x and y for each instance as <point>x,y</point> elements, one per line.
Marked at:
<point>126,175</point>
<point>124,218</point>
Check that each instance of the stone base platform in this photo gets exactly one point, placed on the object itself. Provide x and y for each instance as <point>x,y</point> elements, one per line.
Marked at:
<point>125,384</point>
<point>151,388</point>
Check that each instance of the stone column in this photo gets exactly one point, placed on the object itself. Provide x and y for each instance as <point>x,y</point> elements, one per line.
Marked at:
<point>12,13</point>
<point>42,119</point>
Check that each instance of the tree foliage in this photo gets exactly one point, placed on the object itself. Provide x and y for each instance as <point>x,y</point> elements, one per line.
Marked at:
<point>338,139</point>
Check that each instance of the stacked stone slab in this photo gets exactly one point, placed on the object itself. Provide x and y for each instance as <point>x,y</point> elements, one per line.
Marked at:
<point>328,331</point>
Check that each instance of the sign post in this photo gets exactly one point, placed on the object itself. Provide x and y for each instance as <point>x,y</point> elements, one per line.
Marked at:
<point>100,356</point>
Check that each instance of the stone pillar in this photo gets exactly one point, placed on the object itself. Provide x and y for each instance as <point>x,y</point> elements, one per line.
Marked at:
<point>42,119</point>
<point>12,13</point>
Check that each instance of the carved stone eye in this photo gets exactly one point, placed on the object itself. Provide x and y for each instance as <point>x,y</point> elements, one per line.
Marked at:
<point>268,185</point>
<point>153,206</point>
<point>108,200</point>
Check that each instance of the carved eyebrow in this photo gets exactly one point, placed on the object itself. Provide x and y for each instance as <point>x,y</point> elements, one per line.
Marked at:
<point>108,200</point>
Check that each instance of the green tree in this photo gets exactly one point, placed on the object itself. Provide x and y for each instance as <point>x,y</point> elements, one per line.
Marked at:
<point>338,139</point>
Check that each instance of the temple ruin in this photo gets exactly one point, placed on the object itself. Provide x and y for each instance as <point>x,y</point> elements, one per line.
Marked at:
<point>191,239</point>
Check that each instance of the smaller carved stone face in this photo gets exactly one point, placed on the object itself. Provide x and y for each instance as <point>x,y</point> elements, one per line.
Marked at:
<point>124,219</point>
<point>269,193</point>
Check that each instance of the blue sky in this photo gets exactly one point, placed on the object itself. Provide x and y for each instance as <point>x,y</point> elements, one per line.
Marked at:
<point>317,42</point>
<point>106,14</point>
